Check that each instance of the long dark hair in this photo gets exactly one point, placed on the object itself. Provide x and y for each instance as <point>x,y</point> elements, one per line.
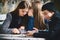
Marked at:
<point>21,5</point>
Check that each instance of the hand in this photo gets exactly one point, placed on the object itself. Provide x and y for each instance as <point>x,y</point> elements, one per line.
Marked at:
<point>30,33</point>
<point>30,12</point>
<point>15,30</point>
<point>35,29</point>
<point>22,27</point>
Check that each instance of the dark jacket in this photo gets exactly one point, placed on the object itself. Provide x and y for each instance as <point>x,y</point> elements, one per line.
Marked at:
<point>54,29</point>
<point>15,21</point>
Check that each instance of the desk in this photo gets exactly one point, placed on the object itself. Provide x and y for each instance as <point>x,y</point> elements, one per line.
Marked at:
<point>17,37</point>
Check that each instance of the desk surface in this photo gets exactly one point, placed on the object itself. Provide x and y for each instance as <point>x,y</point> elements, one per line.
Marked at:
<point>19,37</point>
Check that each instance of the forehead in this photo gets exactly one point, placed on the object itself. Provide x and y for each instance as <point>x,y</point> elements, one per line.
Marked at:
<point>26,9</point>
<point>45,11</point>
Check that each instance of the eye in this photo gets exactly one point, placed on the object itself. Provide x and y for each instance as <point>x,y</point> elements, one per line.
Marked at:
<point>45,13</point>
<point>23,11</point>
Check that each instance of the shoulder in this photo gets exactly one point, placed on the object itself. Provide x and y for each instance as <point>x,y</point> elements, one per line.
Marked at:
<point>9,16</point>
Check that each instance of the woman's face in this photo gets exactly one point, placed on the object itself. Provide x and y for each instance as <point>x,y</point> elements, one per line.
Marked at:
<point>23,12</point>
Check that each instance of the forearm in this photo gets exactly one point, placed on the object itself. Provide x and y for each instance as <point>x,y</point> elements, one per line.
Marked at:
<point>41,34</point>
<point>6,24</point>
<point>30,23</point>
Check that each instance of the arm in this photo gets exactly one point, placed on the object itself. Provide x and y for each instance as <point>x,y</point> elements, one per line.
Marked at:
<point>6,24</point>
<point>30,20</point>
<point>41,34</point>
<point>55,34</point>
<point>30,23</point>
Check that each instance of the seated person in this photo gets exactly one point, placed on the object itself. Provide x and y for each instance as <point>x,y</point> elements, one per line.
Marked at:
<point>52,15</point>
<point>17,19</point>
<point>53,23</point>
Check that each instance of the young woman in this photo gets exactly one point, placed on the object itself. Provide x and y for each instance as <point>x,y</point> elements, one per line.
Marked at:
<point>39,23</point>
<point>17,19</point>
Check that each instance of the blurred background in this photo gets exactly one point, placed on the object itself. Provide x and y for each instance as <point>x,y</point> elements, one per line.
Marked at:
<point>9,5</point>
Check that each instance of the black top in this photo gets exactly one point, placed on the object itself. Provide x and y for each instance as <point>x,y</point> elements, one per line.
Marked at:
<point>18,21</point>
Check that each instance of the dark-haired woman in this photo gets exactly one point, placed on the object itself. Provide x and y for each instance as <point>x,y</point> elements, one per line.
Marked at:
<point>17,19</point>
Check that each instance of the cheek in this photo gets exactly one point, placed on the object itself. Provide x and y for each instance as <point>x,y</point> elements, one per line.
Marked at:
<point>46,16</point>
<point>20,12</point>
<point>25,13</point>
<point>49,14</point>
